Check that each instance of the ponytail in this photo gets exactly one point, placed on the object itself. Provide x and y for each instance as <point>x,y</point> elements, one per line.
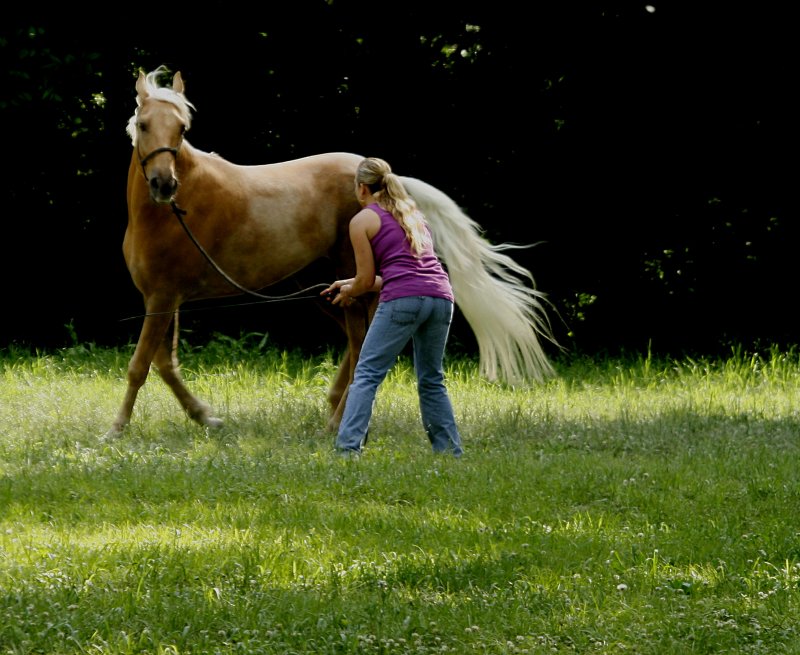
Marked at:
<point>390,194</point>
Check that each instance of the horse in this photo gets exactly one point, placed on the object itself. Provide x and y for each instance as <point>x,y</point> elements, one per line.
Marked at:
<point>253,226</point>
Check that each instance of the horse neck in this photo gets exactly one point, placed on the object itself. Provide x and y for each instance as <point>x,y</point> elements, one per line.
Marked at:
<point>191,160</point>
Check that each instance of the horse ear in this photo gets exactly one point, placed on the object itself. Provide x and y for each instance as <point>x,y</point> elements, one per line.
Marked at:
<point>177,83</point>
<point>141,87</point>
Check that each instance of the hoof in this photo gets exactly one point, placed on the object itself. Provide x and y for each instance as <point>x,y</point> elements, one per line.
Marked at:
<point>114,432</point>
<point>201,414</point>
<point>213,422</point>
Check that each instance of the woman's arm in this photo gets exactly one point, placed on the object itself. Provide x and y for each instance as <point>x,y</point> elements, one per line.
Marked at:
<point>363,227</point>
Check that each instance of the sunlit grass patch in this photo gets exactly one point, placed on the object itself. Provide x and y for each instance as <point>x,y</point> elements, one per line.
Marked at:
<point>634,505</point>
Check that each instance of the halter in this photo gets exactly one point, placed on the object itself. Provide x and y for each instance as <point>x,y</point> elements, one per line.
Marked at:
<point>143,160</point>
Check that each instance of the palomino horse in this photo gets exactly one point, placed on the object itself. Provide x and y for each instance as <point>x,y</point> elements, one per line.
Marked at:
<point>253,226</point>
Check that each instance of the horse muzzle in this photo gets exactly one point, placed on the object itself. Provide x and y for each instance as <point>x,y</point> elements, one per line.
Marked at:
<point>162,188</point>
<point>162,182</point>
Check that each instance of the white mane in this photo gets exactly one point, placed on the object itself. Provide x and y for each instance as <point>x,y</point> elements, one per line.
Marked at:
<point>164,93</point>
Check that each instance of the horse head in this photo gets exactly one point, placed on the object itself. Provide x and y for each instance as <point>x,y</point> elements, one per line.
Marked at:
<point>157,128</point>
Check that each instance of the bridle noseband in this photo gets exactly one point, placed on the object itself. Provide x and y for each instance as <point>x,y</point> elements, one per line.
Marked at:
<point>143,160</point>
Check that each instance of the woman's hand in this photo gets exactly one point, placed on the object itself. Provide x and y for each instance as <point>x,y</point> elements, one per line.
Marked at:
<point>338,293</point>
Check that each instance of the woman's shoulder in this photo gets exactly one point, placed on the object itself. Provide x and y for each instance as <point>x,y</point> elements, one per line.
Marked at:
<point>381,214</point>
<point>368,219</point>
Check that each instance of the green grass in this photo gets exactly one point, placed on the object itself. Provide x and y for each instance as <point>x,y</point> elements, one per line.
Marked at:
<point>628,506</point>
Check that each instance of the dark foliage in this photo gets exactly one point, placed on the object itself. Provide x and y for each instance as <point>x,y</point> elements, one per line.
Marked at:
<point>646,151</point>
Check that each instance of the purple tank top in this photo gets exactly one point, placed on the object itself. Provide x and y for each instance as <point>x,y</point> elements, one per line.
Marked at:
<point>403,273</point>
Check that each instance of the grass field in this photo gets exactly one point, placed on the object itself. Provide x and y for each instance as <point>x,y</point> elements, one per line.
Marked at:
<point>628,506</point>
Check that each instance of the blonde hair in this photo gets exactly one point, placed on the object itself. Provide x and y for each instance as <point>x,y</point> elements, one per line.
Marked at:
<point>390,194</point>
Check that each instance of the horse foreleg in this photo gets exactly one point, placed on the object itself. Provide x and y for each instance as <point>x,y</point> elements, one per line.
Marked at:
<point>153,330</point>
<point>165,360</point>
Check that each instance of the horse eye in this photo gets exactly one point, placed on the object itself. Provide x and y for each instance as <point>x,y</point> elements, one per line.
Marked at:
<point>143,127</point>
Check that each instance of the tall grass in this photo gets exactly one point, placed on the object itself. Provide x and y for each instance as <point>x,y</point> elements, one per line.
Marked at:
<point>628,506</point>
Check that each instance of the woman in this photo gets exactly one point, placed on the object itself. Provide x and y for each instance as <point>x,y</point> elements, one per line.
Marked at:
<point>394,255</point>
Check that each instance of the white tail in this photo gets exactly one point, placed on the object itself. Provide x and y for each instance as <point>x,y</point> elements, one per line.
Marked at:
<point>497,296</point>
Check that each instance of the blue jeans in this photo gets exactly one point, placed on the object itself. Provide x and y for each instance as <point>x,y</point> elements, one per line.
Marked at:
<point>425,321</point>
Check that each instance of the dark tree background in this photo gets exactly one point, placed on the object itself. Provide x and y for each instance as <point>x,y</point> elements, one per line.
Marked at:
<point>647,149</point>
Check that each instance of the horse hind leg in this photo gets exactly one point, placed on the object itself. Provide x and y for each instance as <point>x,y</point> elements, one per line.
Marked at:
<point>166,363</point>
<point>337,394</point>
<point>344,375</point>
<point>357,319</point>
